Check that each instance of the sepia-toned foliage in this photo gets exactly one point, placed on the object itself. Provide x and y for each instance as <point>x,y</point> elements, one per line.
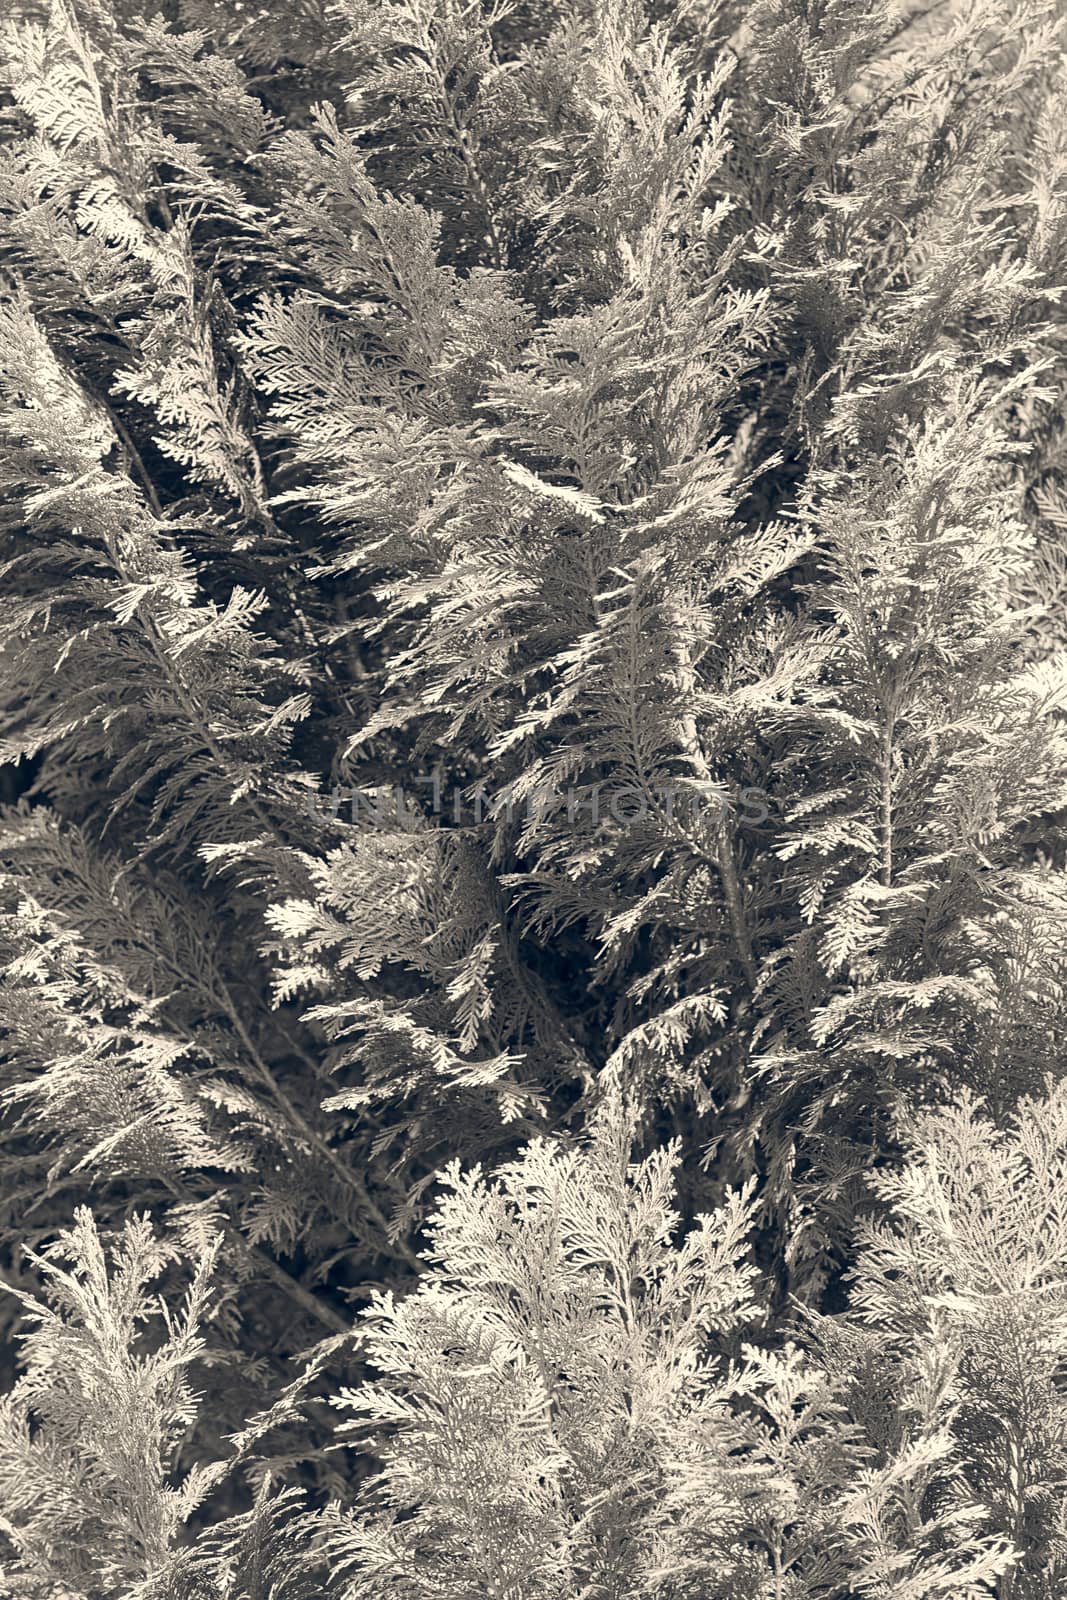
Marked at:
<point>532,762</point>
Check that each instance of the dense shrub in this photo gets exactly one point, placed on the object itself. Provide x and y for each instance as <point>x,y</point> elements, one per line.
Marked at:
<point>533,660</point>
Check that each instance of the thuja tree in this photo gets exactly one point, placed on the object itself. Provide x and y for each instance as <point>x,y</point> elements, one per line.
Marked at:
<point>533,632</point>
<point>568,1402</point>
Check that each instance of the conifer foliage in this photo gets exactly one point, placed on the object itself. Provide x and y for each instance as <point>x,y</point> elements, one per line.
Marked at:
<point>532,678</point>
